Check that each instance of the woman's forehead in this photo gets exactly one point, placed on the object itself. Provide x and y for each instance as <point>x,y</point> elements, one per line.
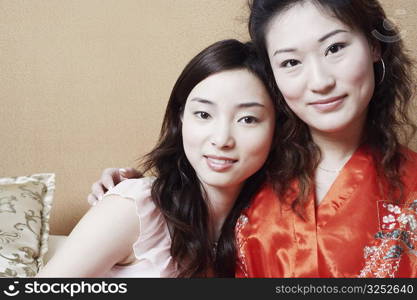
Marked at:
<point>302,22</point>
<point>230,86</point>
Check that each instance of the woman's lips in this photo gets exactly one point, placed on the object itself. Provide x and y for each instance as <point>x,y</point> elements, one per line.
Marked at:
<point>219,164</point>
<point>327,105</point>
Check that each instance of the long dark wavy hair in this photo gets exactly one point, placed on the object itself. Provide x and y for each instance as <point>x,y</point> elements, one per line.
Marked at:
<point>387,119</point>
<point>177,191</point>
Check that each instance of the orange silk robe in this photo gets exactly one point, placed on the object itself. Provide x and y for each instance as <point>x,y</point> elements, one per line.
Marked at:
<point>354,232</point>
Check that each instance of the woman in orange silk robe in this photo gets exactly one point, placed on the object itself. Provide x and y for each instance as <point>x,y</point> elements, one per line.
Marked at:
<point>345,83</point>
<point>352,233</point>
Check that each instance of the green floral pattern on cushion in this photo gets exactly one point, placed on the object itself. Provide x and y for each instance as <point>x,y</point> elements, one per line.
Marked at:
<point>25,205</point>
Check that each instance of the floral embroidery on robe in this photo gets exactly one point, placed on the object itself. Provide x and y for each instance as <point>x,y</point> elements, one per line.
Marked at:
<point>398,236</point>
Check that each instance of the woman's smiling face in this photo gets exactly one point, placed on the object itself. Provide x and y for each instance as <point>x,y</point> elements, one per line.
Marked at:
<point>323,68</point>
<point>228,127</point>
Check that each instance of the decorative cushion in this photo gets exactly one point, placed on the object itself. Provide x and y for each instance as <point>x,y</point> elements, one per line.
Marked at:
<point>25,205</point>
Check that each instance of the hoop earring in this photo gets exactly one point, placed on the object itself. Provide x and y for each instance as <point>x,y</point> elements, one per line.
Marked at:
<point>383,71</point>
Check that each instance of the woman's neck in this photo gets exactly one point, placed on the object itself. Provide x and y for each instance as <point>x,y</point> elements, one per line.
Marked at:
<point>335,152</point>
<point>221,201</point>
<point>337,147</point>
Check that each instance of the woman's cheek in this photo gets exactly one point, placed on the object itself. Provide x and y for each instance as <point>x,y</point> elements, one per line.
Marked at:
<point>190,134</point>
<point>355,71</point>
<point>290,91</point>
<point>358,66</point>
<point>260,141</point>
<point>290,86</point>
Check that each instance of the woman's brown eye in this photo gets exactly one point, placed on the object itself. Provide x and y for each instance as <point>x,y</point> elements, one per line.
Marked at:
<point>335,48</point>
<point>289,63</point>
<point>202,115</point>
<point>249,120</point>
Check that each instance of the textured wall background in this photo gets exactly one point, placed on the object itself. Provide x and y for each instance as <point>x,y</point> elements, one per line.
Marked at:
<point>84,83</point>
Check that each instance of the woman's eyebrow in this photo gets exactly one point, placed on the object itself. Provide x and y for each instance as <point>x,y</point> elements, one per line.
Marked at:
<point>284,51</point>
<point>250,104</point>
<point>330,34</point>
<point>201,100</point>
<point>240,105</point>
<point>243,104</point>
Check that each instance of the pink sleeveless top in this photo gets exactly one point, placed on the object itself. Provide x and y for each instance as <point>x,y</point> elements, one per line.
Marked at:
<point>152,248</point>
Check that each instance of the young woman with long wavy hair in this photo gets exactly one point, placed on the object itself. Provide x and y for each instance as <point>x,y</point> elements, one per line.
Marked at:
<point>212,156</point>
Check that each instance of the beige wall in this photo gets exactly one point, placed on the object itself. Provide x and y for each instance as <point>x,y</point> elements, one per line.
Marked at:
<point>83,84</point>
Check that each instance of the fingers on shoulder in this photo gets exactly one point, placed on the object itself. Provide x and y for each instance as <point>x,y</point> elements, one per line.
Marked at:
<point>97,189</point>
<point>110,177</point>
<point>92,199</point>
<point>130,173</point>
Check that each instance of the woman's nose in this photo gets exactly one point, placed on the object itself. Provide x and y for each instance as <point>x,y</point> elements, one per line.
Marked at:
<point>321,79</point>
<point>222,137</point>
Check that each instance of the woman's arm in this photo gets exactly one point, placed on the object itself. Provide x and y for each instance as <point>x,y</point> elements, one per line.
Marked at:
<point>102,238</point>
